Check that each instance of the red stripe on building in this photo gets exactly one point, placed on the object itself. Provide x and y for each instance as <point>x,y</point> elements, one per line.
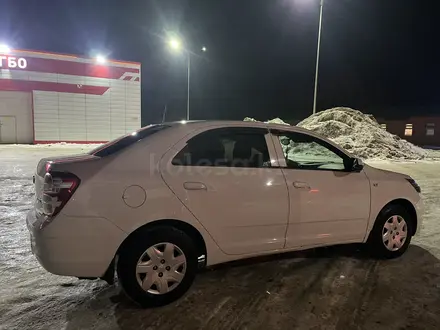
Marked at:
<point>127,78</point>
<point>29,86</point>
<point>33,51</point>
<point>73,68</point>
<point>137,79</point>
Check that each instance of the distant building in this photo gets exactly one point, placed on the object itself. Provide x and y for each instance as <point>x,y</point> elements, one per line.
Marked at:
<point>422,131</point>
<point>47,98</point>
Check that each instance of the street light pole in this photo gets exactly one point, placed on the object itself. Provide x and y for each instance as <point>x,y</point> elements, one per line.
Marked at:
<point>189,75</point>
<point>317,56</point>
<point>176,45</point>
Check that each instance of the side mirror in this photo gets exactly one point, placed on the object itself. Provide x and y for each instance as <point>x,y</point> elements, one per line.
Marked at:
<point>357,165</point>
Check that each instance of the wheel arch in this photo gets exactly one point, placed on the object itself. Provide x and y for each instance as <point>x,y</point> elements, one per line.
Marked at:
<point>187,228</point>
<point>407,205</point>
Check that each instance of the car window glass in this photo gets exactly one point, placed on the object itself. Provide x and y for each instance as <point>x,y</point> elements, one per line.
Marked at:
<point>306,152</point>
<point>126,141</point>
<point>225,148</point>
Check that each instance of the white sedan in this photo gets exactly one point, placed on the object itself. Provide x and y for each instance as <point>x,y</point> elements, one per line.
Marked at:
<point>159,202</point>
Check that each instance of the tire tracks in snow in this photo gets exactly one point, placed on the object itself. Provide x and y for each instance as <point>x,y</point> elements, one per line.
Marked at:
<point>358,301</point>
<point>337,297</point>
<point>267,310</point>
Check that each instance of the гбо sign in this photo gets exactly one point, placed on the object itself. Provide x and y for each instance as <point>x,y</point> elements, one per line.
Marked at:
<point>12,62</point>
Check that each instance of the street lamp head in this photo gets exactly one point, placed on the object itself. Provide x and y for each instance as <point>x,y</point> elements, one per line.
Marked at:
<point>175,44</point>
<point>204,49</point>
<point>4,49</point>
<point>101,59</point>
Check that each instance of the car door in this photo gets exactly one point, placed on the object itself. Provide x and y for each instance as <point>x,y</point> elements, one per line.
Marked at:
<point>224,176</point>
<point>329,203</point>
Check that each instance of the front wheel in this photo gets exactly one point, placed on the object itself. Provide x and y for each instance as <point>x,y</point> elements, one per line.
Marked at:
<point>392,232</point>
<point>157,266</point>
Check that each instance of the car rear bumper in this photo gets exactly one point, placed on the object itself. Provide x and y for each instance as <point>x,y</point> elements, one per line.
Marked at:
<point>74,246</point>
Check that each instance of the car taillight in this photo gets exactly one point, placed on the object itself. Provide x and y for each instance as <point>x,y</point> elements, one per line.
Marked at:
<point>58,188</point>
<point>47,166</point>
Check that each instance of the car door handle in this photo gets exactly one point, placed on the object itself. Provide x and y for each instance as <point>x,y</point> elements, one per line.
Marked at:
<point>194,186</point>
<point>301,185</point>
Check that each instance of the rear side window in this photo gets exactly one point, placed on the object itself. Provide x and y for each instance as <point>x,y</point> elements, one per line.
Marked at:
<point>226,148</point>
<point>125,141</point>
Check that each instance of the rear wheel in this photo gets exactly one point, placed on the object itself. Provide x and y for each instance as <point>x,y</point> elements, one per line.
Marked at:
<point>392,232</point>
<point>157,266</point>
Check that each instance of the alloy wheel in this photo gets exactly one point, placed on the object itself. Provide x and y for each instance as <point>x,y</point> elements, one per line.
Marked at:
<point>394,233</point>
<point>161,268</point>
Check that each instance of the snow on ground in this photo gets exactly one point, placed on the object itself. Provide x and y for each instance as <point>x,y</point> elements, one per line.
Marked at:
<point>57,146</point>
<point>361,135</point>
<point>334,288</point>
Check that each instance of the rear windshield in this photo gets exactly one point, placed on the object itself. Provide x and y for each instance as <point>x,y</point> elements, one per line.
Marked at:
<point>125,141</point>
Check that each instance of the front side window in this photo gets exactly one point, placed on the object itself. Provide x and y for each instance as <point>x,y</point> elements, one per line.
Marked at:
<point>303,151</point>
<point>225,148</point>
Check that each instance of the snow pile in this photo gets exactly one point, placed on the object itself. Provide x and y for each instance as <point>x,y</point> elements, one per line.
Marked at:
<point>361,135</point>
<point>356,132</point>
<point>272,121</point>
<point>277,121</point>
<point>250,119</point>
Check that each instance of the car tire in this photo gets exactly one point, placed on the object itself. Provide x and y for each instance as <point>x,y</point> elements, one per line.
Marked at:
<point>393,223</point>
<point>146,261</point>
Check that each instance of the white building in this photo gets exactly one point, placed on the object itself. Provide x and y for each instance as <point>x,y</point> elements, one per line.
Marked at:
<point>48,98</point>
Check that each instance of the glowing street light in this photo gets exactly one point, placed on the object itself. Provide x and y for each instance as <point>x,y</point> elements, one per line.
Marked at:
<point>101,59</point>
<point>176,45</point>
<point>4,49</point>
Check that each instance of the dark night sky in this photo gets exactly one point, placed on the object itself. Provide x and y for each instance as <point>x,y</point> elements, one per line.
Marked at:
<point>380,56</point>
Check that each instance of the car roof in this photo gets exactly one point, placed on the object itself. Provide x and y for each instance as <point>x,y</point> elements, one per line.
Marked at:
<point>195,124</point>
